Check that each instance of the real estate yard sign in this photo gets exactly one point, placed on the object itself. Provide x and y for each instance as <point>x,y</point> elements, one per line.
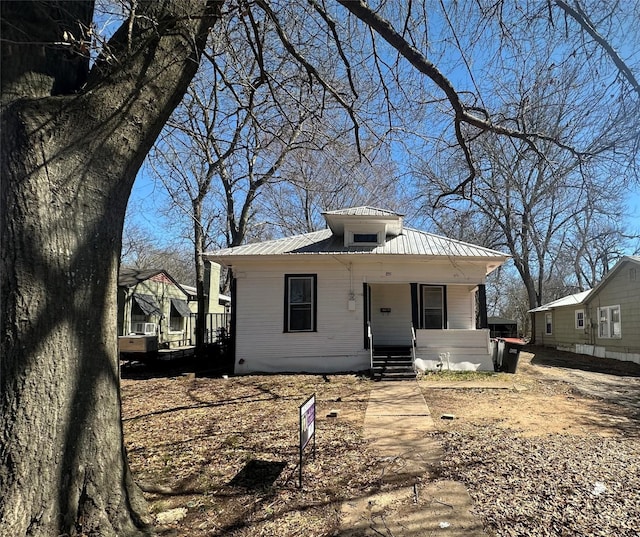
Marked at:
<point>307,428</point>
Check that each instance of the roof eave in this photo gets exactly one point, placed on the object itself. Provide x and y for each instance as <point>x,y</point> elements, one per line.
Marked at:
<point>224,259</point>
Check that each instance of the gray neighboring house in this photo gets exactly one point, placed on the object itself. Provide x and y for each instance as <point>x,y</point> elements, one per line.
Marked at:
<point>602,322</point>
<point>152,303</point>
<point>324,301</point>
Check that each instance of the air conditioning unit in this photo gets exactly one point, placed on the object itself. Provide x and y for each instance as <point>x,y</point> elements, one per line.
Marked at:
<point>147,329</point>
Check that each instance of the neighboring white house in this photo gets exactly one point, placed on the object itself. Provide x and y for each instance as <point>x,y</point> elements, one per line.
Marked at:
<point>316,302</point>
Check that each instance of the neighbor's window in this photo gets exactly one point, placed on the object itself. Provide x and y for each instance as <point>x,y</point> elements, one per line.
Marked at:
<point>432,307</point>
<point>300,303</point>
<point>548,323</point>
<point>176,320</point>
<point>579,319</point>
<point>137,315</point>
<point>609,322</point>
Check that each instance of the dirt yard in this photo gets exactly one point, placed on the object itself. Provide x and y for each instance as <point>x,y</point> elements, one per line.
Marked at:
<point>554,451</point>
<point>551,450</point>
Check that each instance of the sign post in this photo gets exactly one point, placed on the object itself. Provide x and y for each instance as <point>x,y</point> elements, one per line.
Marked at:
<point>307,428</point>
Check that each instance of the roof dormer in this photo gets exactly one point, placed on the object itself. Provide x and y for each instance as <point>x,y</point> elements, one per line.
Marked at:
<point>364,226</point>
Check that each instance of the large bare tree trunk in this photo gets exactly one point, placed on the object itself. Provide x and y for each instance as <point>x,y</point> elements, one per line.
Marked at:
<point>201,319</point>
<point>69,158</point>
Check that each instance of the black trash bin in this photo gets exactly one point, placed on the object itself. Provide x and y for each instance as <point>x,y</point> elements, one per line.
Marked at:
<point>510,354</point>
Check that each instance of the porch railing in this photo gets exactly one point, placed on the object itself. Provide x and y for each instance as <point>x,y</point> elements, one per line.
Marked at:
<point>413,347</point>
<point>217,327</point>
<point>370,338</point>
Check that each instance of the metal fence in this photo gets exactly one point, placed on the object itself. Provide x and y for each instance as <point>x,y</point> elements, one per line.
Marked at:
<point>217,327</point>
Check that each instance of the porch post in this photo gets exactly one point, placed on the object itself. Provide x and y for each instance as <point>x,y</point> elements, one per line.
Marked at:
<point>482,304</point>
<point>366,313</point>
<point>415,308</point>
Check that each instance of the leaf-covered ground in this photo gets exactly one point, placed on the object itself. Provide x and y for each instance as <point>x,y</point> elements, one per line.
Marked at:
<point>559,485</point>
<point>545,457</point>
<point>189,440</point>
<point>539,454</point>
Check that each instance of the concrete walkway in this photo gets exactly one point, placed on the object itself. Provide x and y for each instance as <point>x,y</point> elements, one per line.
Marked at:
<point>408,503</point>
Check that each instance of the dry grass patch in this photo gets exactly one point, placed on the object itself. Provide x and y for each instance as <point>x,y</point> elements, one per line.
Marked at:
<point>541,458</point>
<point>227,451</point>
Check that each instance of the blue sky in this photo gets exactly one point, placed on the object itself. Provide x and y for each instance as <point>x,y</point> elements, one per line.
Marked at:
<point>146,191</point>
<point>633,208</point>
<point>144,188</point>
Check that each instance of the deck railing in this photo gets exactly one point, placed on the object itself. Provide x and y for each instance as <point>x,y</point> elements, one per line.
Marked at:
<point>217,327</point>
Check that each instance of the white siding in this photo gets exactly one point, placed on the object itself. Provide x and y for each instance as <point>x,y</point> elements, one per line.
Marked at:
<point>441,339</point>
<point>393,328</point>
<point>262,343</point>
<point>338,345</point>
<point>460,307</point>
<point>467,349</point>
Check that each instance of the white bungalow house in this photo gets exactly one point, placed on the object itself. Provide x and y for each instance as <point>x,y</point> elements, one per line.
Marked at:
<point>331,300</point>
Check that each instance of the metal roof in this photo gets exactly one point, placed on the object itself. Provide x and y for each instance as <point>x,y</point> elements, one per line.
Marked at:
<point>363,211</point>
<point>580,298</point>
<point>354,217</point>
<point>410,242</point>
<point>570,300</point>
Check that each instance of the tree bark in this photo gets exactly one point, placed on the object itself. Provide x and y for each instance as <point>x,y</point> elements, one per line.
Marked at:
<point>70,153</point>
<point>201,318</point>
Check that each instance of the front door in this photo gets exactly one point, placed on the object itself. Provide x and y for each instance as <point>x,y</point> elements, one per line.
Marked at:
<point>390,313</point>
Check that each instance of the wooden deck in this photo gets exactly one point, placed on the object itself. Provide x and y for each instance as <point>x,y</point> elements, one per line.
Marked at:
<point>167,355</point>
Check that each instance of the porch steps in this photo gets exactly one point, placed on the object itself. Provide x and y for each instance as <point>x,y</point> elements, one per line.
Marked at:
<point>392,362</point>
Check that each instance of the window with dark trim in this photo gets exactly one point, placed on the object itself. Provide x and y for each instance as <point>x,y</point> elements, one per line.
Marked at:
<point>137,315</point>
<point>365,238</point>
<point>300,307</point>
<point>433,307</point>
<point>176,321</point>
<point>548,323</point>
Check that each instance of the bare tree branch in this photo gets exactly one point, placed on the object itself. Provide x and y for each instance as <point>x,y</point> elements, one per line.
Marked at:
<point>579,15</point>
<point>462,113</point>
<point>312,71</point>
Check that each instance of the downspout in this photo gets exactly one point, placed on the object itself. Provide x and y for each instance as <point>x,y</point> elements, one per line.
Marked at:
<point>413,348</point>
<point>370,339</point>
<point>234,308</point>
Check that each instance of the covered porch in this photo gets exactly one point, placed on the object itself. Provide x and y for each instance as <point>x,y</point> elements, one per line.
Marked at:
<point>444,326</point>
